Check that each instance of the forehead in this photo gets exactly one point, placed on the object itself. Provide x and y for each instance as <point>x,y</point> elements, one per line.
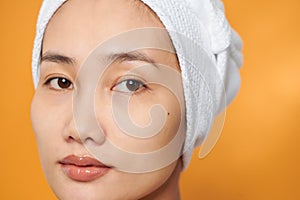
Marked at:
<point>80,25</point>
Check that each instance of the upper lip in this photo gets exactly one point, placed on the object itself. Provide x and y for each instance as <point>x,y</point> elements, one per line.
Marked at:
<point>81,161</point>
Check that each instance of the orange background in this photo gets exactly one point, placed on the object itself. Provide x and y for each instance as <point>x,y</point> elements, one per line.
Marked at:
<point>258,154</point>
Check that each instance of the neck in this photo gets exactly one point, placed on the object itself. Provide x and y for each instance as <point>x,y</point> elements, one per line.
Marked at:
<point>170,189</point>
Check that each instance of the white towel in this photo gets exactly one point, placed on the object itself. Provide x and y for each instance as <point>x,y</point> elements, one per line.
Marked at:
<point>208,86</point>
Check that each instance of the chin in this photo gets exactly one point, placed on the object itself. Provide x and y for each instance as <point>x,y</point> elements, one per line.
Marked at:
<point>80,191</point>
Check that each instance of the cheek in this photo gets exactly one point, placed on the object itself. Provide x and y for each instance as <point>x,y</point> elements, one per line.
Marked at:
<point>48,117</point>
<point>38,114</point>
<point>158,115</point>
<point>160,110</point>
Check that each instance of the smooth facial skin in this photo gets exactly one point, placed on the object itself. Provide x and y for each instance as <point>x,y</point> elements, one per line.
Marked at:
<point>74,31</point>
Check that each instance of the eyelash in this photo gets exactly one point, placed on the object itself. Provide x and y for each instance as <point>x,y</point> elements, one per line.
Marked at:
<point>48,83</point>
<point>139,88</point>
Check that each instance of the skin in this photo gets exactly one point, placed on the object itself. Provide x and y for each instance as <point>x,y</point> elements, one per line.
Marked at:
<point>74,31</point>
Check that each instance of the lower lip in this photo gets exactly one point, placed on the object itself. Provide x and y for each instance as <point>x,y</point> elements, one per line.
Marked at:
<point>84,174</point>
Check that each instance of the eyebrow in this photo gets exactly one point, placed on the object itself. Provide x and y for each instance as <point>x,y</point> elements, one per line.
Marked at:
<point>57,58</point>
<point>131,56</point>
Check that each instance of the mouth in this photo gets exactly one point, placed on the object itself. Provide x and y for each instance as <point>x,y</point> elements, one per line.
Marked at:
<point>83,169</point>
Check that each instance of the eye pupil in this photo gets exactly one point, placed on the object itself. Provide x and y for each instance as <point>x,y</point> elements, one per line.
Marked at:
<point>63,83</point>
<point>133,85</point>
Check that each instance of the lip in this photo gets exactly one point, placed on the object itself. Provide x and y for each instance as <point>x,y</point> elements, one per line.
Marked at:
<point>83,169</point>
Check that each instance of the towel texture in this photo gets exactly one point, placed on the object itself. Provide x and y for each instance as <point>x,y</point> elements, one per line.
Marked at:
<point>209,54</point>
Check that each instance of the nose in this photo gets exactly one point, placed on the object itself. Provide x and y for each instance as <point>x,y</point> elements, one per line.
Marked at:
<point>83,132</point>
<point>83,125</point>
<point>84,119</point>
<point>88,129</point>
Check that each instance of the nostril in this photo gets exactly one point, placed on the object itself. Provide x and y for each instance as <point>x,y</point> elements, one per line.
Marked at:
<point>70,138</point>
<point>95,137</point>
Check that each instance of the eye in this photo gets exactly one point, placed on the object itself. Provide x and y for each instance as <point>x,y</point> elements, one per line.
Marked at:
<point>129,86</point>
<point>59,83</point>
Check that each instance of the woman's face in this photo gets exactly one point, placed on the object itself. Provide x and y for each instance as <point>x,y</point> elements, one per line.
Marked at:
<point>68,148</point>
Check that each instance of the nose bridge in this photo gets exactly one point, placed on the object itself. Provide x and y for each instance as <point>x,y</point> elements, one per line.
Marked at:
<point>84,113</point>
<point>84,116</point>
